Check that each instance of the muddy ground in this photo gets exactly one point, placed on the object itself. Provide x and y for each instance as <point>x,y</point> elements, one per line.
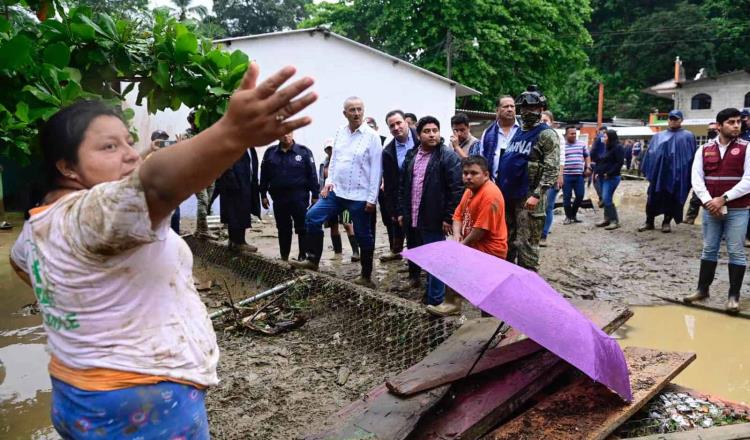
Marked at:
<point>285,386</point>
<point>581,260</point>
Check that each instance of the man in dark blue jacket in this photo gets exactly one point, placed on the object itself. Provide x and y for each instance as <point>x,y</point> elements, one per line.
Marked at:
<point>431,188</point>
<point>240,199</point>
<point>394,155</point>
<point>288,174</point>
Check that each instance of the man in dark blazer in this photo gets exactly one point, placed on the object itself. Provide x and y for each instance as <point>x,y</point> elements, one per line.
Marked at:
<point>394,154</point>
<point>240,198</point>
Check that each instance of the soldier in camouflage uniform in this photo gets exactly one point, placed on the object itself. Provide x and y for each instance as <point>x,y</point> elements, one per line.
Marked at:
<point>528,167</point>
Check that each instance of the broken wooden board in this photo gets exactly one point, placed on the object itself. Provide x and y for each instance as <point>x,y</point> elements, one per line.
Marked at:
<point>380,415</point>
<point>588,410</point>
<point>728,432</point>
<point>710,305</point>
<point>453,359</point>
<point>480,402</point>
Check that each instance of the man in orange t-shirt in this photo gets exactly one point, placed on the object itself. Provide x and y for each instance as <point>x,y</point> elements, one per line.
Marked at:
<point>478,222</point>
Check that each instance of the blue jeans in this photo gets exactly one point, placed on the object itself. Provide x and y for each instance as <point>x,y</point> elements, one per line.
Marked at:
<point>330,207</point>
<point>732,227</point>
<point>550,209</point>
<point>608,189</point>
<point>572,183</point>
<point>435,290</point>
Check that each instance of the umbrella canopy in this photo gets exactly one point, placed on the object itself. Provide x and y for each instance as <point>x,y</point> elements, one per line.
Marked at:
<point>525,301</point>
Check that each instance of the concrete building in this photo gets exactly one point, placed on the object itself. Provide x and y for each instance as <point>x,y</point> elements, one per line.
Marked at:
<point>341,68</point>
<point>701,97</point>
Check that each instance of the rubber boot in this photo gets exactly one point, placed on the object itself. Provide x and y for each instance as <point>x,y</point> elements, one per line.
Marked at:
<point>285,245</point>
<point>314,248</point>
<point>365,279</point>
<point>355,248</point>
<point>705,278</point>
<point>336,240</point>
<point>736,275</point>
<point>301,243</point>
<point>450,306</point>
<point>614,220</point>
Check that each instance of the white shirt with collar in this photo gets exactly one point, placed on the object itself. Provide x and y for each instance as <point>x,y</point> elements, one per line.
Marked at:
<point>699,185</point>
<point>355,167</point>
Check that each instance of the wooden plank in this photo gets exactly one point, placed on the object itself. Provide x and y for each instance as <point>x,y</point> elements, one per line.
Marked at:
<point>710,305</point>
<point>452,360</point>
<point>478,403</point>
<point>588,410</point>
<point>727,432</point>
<point>380,415</point>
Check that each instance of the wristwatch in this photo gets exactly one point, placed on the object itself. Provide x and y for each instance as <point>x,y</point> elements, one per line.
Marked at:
<point>726,199</point>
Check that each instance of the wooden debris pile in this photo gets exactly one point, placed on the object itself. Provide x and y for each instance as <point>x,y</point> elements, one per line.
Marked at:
<point>500,398</point>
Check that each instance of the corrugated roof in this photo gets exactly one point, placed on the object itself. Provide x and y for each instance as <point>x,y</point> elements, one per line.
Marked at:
<point>461,90</point>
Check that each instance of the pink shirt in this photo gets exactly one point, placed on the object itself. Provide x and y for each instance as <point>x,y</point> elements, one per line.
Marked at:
<point>417,182</point>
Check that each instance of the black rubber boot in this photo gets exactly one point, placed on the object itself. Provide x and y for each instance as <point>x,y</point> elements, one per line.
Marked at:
<point>355,248</point>
<point>314,248</point>
<point>285,245</point>
<point>705,278</point>
<point>736,275</point>
<point>336,240</point>
<point>365,279</point>
<point>301,243</point>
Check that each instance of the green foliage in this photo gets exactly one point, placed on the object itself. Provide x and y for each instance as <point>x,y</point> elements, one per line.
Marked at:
<point>249,17</point>
<point>82,54</point>
<point>636,42</point>
<point>497,47</point>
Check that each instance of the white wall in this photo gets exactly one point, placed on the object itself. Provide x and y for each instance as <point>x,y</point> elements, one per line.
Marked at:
<point>341,70</point>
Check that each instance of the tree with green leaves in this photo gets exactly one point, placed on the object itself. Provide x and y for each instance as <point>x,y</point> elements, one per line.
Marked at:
<point>78,54</point>
<point>184,9</point>
<point>495,47</point>
<point>637,41</point>
<point>250,17</point>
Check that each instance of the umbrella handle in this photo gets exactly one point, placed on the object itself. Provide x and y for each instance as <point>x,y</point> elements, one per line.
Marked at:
<point>484,349</point>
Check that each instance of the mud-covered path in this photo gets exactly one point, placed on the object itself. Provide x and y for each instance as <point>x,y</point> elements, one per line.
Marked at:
<point>581,260</point>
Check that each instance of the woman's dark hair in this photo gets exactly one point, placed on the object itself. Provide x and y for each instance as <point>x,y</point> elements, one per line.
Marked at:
<point>63,133</point>
<point>427,120</point>
<point>612,139</point>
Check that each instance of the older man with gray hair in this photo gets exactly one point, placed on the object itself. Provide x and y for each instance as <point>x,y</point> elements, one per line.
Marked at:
<point>352,184</point>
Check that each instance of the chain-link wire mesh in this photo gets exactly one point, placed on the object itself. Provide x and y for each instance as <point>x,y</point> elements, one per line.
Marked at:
<point>399,331</point>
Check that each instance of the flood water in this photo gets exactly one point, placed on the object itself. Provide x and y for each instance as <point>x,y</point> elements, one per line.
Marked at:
<point>722,366</point>
<point>24,382</point>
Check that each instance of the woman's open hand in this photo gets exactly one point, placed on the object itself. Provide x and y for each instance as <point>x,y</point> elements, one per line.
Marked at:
<point>258,115</point>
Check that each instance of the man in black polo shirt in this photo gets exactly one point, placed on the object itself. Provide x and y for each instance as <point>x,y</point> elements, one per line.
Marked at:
<point>288,173</point>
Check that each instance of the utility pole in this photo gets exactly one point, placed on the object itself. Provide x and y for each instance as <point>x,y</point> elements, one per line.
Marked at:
<point>600,107</point>
<point>449,52</point>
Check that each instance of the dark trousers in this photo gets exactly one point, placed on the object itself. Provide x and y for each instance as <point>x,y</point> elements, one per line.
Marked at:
<point>174,222</point>
<point>396,234</point>
<point>236,234</point>
<point>288,210</point>
<point>435,289</point>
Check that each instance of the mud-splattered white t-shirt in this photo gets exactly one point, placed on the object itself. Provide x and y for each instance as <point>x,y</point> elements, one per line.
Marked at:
<point>114,293</point>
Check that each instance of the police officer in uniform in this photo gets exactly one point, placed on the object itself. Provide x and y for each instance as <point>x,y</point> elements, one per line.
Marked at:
<point>288,173</point>
<point>526,170</point>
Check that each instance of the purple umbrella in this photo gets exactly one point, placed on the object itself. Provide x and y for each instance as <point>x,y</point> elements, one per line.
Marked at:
<point>525,301</point>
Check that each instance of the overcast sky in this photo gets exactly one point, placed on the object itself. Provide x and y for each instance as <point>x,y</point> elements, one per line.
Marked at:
<point>207,3</point>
